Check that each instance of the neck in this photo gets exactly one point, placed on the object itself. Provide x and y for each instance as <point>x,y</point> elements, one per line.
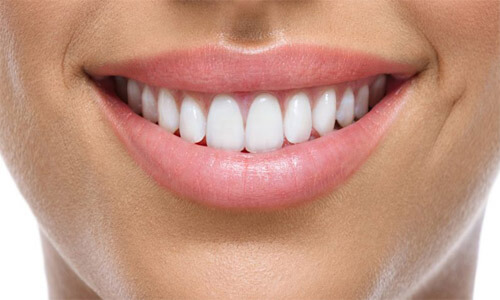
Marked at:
<point>62,281</point>
<point>455,279</point>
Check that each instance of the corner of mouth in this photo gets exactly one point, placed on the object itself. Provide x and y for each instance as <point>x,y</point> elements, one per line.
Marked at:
<point>302,141</point>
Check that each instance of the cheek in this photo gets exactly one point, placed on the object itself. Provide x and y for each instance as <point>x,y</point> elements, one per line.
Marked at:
<point>38,137</point>
<point>464,34</point>
<point>467,27</point>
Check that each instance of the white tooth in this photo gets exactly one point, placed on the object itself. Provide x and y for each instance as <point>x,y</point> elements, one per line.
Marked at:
<point>168,113</point>
<point>225,124</point>
<point>298,119</point>
<point>121,87</point>
<point>345,113</point>
<point>149,105</point>
<point>361,105</point>
<point>377,89</point>
<point>324,112</point>
<point>192,121</point>
<point>264,130</point>
<point>134,96</point>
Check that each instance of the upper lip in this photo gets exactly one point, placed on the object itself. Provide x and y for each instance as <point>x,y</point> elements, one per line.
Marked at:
<point>215,69</point>
<point>275,179</point>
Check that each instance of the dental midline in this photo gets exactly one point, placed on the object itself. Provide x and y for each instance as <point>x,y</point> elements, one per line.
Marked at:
<point>257,121</point>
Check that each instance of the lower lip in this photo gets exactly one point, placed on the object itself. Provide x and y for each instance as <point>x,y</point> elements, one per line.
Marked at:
<point>287,177</point>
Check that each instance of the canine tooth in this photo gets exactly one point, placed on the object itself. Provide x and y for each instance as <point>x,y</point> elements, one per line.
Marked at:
<point>134,96</point>
<point>324,112</point>
<point>149,105</point>
<point>345,113</point>
<point>225,124</point>
<point>121,88</point>
<point>168,113</point>
<point>298,119</point>
<point>361,103</point>
<point>192,121</point>
<point>377,89</point>
<point>264,128</point>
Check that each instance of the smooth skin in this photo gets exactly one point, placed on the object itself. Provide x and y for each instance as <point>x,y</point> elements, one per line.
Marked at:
<point>405,225</point>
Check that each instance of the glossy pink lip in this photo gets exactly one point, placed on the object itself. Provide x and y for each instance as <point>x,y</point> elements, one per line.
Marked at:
<point>286,177</point>
<point>221,70</point>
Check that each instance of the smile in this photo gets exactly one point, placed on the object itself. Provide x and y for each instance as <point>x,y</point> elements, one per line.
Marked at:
<point>255,122</point>
<point>252,131</point>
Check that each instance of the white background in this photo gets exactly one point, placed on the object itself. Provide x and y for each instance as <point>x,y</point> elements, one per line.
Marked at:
<point>21,262</point>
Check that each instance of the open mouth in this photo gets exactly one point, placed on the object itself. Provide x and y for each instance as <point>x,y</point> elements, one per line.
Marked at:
<point>253,121</point>
<point>255,139</point>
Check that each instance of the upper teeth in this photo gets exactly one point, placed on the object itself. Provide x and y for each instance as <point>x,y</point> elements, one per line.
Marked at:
<point>192,121</point>
<point>264,131</point>
<point>225,125</point>
<point>298,119</point>
<point>168,113</point>
<point>259,126</point>
<point>149,105</point>
<point>134,96</point>
<point>345,111</point>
